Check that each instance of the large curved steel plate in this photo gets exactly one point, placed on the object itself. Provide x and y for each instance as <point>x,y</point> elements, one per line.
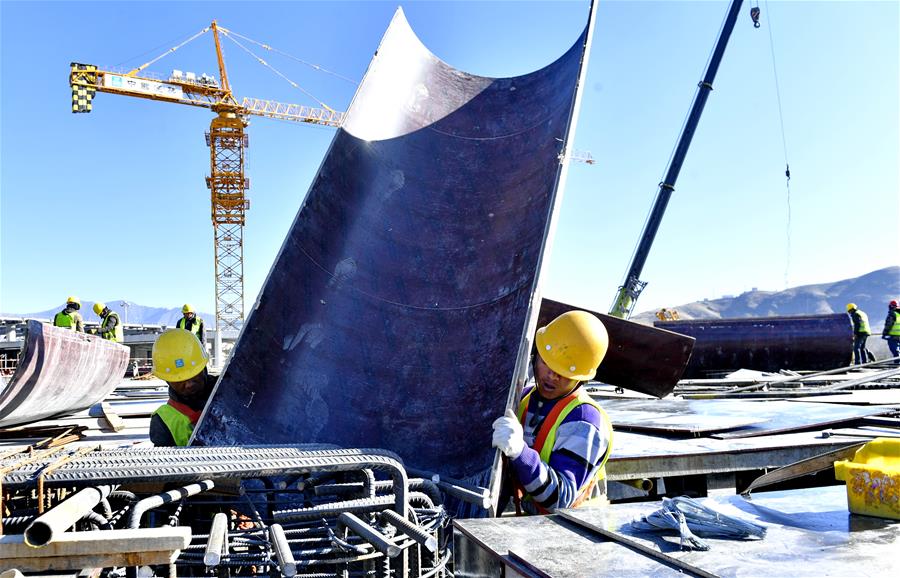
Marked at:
<point>806,342</point>
<point>60,371</point>
<point>640,358</point>
<point>394,314</point>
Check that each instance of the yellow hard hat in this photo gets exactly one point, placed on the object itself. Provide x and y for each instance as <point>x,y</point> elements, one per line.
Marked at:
<point>573,344</point>
<point>851,306</point>
<point>187,308</point>
<point>74,300</point>
<point>178,355</point>
<point>99,307</point>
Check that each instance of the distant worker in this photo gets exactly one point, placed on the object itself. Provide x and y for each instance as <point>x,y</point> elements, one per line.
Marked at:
<point>559,440</point>
<point>69,316</point>
<point>179,360</point>
<point>891,330</point>
<point>662,314</point>
<point>673,314</point>
<point>861,333</point>
<point>110,325</point>
<point>193,323</point>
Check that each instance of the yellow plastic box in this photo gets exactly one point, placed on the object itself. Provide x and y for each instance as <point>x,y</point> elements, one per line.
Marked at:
<point>873,479</point>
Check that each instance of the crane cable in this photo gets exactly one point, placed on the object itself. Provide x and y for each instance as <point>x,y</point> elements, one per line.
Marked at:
<point>169,51</point>
<point>229,35</point>
<point>754,14</point>
<point>292,57</point>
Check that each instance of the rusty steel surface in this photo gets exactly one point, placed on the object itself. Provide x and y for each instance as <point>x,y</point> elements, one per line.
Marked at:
<point>61,371</point>
<point>394,313</point>
<point>640,358</point>
<point>808,342</point>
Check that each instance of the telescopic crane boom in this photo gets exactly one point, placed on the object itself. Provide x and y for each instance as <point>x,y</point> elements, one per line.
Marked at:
<point>227,143</point>
<point>632,286</point>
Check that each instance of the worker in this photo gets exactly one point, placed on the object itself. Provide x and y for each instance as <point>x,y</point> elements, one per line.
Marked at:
<point>180,361</point>
<point>69,316</point>
<point>861,333</point>
<point>192,322</point>
<point>891,330</point>
<point>559,440</point>
<point>110,325</point>
<point>662,314</point>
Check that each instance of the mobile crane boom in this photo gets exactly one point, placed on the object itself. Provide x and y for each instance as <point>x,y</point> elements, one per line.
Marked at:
<point>631,288</point>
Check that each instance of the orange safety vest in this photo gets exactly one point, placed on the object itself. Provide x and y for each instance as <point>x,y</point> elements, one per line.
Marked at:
<point>546,439</point>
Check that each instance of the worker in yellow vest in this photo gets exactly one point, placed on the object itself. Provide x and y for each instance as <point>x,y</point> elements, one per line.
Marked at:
<point>891,330</point>
<point>69,316</point>
<point>180,361</point>
<point>861,333</point>
<point>110,324</point>
<point>558,441</point>
<point>192,322</point>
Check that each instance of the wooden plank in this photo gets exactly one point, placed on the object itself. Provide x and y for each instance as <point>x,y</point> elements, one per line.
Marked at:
<point>110,418</point>
<point>85,561</point>
<point>98,542</point>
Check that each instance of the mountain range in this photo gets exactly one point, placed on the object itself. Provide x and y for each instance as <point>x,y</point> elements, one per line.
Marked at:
<point>132,313</point>
<point>870,292</point>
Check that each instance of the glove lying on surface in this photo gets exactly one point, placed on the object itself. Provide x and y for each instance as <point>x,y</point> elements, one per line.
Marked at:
<point>508,435</point>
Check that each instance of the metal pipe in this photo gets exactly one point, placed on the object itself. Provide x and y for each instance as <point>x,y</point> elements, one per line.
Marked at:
<point>218,537</point>
<point>282,551</point>
<point>134,517</point>
<point>44,529</point>
<point>333,509</point>
<point>456,488</point>
<point>410,529</point>
<point>644,484</point>
<point>368,533</point>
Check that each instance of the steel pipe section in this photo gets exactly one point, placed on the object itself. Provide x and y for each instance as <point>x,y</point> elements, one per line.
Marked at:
<point>60,371</point>
<point>398,303</point>
<point>808,342</point>
<point>46,527</point>
<point>147,504</point>
<point>282,551</point>
<point>640,358</point>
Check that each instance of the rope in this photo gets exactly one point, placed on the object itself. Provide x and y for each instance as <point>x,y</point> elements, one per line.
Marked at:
<point>787,166</point>
<point>170,51</point>
<point>273,69</point>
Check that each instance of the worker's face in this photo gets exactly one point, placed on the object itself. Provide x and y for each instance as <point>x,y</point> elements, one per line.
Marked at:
<point>189,315</point>
<point>550,384</point>
<point>190,387</point>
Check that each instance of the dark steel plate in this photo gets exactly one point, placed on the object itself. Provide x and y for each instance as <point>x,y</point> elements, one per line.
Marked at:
<point>394,313</point>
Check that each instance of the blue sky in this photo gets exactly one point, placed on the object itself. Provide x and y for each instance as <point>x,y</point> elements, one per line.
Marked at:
<point>113,204</point>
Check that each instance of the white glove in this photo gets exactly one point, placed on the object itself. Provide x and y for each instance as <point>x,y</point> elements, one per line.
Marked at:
<point>508,435</point>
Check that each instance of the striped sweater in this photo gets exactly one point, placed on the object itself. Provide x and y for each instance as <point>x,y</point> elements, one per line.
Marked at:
<point>581,443</point>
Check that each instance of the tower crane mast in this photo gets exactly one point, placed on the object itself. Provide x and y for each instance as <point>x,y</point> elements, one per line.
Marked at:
<point>227,141</point>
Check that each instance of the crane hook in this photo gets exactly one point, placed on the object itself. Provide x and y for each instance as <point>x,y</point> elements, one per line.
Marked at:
<point>754,15</point>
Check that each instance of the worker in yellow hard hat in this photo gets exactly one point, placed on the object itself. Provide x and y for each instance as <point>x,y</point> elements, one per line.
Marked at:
<point>110,324</point>
<point>558,441</point>
<point>861,333</point>
<point>192,322</point>
<point>69,316</point>
<point>180,361</point>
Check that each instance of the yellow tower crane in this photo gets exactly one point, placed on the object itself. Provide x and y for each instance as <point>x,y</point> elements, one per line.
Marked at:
<point>227,141</point>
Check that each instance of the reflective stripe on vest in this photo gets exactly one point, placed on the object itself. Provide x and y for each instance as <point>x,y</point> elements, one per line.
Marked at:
<point>117,334</point>
<point>546,436</point>
<point>179,424</point>
<point>64,320</point>
<point>195,325</point>
<point>895,328</point>
<point>863,323</point>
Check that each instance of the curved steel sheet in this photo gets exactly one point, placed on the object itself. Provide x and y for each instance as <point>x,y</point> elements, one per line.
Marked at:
<point>809,342</point>
<point>640,358</point>
<point>394,313</point>
<point>60,371</point>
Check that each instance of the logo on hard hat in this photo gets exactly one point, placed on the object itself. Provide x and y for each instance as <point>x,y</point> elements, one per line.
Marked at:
<point>179,362</point>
